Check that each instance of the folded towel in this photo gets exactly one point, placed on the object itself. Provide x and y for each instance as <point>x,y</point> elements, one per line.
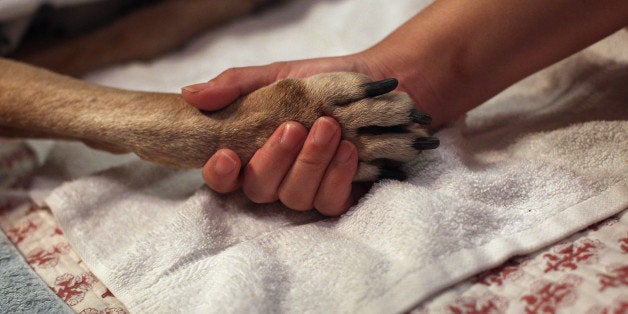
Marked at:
<point>531,166</point>
<point>540,161</point>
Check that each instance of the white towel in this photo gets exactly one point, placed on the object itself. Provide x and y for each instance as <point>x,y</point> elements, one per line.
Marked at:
<point>538,162</point>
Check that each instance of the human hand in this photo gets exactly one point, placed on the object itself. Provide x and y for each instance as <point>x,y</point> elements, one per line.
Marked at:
<point>297,167</point>
<point>293,166</point>
<point>446,67</point>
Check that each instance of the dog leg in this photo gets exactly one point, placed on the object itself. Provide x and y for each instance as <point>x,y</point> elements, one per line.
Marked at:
<point>384,125</point>
<point>163,128</point>
<point>140,35</point>
<point>159,127</point>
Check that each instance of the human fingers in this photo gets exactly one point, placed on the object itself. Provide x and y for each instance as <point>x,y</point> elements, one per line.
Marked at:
<point>222,170</point>
<point>299,187</point>
<point>268,167</point>
<point>334,195</point>
<point>228,86</point>
<point>236,82</point>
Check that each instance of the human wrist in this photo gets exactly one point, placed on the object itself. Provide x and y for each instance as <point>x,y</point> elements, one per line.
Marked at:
<point>439,62</point>
<point>451,65</point>
<point>423,78</point>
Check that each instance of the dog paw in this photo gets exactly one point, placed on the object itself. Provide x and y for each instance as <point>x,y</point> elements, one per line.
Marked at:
<point>383,125</point>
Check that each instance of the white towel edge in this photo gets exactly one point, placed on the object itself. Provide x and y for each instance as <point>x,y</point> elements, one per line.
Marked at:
<point>404,294</point>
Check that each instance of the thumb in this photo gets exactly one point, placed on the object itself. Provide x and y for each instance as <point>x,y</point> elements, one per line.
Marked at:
<point>228,86</point>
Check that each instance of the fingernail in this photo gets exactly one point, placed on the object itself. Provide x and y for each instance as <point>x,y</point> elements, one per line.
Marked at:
<point>195,88</point>
<point>190,89</point>
<point>224,165</point>
<point>324,131</point>
<point>345,150</point>
<point>288,138</point>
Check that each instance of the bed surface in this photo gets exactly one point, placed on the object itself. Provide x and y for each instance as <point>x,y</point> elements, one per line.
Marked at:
<point>510,186</point>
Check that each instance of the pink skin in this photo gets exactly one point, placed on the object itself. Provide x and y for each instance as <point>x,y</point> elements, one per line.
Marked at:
<point>449,58</point>
<point>302,169</point>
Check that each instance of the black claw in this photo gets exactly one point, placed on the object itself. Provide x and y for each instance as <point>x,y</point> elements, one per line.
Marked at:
<point>373,89</point>
<point>423,143</point>
<point>392,174</point>
<point>387,163</point>
<point>378,130</point>
<point>389,169</point>
<point>421,118</point>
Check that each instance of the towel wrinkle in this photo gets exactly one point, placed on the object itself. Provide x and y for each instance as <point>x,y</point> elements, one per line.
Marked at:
<point>527,168</point>
<point>203,251</point>
<point>606,79</point>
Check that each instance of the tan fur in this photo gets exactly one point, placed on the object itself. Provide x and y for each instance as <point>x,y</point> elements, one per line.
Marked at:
<point>163,128</point>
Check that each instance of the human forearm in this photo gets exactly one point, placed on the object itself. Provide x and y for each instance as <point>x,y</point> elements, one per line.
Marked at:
<point>456,54</point>
<point>449,58</point>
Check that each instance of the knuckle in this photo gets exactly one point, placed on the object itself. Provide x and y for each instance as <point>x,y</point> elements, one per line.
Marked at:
<point>278,67</point>
<point>230,71</point>
<point>278,64</point>
<point>258,196</point>
<point>313,162</point>
<point>259,191</point>
<point>330,210</point>
<point>331,204</point>
<point>231,75</point>
<point>324,206</point>
<point>315,157</point>
<point>222,189</point>
<point>294,201</point>
<point>221,185</point>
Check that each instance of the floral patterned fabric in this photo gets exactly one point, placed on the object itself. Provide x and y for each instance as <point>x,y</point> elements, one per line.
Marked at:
<point>36,235</point>
<point>586,273</point>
